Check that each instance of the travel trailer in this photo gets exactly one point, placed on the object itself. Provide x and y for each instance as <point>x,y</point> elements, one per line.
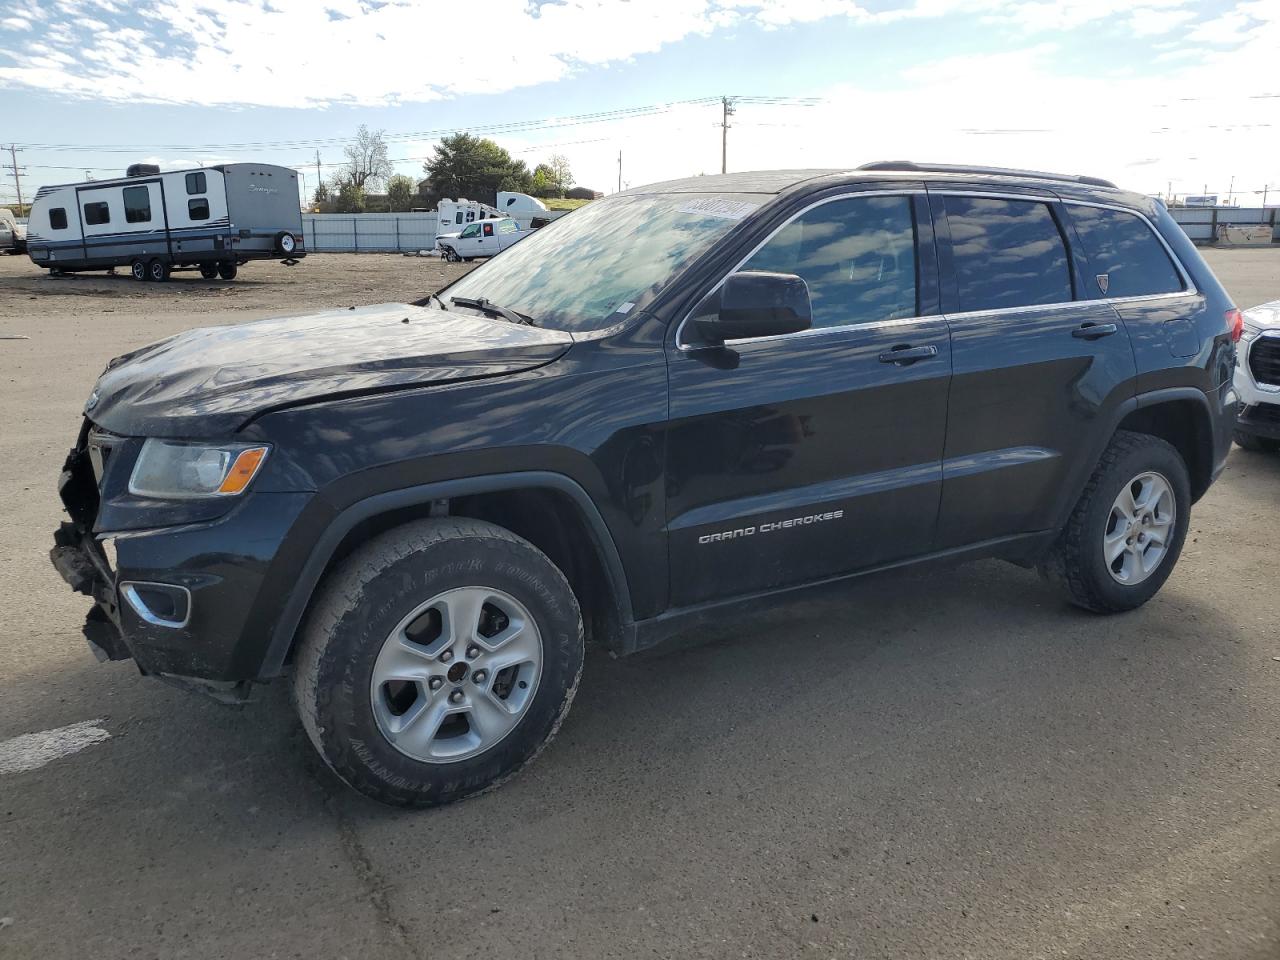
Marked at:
<point>214,219</point>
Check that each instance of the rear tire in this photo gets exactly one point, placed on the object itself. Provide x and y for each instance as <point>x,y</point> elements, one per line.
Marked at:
<point>419,602</point>
<point>227,270</point>
<point>208,270</point>
<point>158,270</point>
<point>139,270</point>
<point>1256,444</point>
<point>1105,562</point>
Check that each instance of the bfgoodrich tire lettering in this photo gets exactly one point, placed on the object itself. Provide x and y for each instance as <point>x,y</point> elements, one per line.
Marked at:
<point>1077,560</point>
<point>360,605</point>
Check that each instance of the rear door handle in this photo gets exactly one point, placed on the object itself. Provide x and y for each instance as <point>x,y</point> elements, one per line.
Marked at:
<point>904,354</point>
<point>1094,331</point>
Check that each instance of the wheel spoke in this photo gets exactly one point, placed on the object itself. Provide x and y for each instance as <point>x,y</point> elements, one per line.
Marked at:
<point>402,659</point>
<point>463,608</point>
<point>1125,504</point>
<point>417,735</point>
<point>522,646</point>
<point>489,717</point>
<point>1114,544</point>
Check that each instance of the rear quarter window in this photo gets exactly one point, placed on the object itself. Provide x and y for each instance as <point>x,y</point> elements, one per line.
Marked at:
<point>1006,254</point>
<point>58,218</point>
<point>1126,259</point>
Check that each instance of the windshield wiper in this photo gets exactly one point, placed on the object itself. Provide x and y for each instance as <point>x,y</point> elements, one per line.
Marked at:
<point>485,305</point>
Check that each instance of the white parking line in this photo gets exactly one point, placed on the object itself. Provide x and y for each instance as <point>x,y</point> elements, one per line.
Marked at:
<point>33,750</point>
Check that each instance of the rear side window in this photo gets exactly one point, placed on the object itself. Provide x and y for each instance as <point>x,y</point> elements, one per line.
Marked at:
<point>137,205</point>
<point>857,255</point>
<point>1006,254</point>
<point>58,218</point>
<point>507,226</point>
<point>198,209</point>
<point>196,184</point>
<point>96,213</point>
<point>488,229</point>
<point>1125,257</point>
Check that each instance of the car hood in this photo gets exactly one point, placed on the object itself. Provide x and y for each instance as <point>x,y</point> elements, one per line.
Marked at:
<point>210,381</point>
<point>1265,316</point>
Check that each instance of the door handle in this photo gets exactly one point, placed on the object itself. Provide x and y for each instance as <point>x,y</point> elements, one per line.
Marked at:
<point>904,354</point>
<point>1094,331</point>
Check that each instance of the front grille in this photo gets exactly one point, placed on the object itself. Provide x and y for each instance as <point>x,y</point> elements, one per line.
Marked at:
<point>1264,360</point>
<point>1263,413</point>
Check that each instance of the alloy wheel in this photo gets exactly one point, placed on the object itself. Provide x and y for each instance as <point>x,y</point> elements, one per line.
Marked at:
<point>456,675</point>
<point>1139,528</point>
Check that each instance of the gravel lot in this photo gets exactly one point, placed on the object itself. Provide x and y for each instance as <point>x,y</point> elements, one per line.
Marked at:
<point>951,764</point>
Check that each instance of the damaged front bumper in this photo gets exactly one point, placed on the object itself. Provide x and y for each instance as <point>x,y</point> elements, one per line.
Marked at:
<point>178,600</point>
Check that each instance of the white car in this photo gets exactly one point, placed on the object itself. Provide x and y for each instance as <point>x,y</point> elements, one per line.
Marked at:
<point>1257,379</point>
<point>13,235</point>
<point>483,238</point>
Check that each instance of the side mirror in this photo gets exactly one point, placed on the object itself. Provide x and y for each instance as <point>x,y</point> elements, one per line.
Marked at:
<point>757,304</point>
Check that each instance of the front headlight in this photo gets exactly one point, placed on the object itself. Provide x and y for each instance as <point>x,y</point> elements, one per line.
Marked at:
<point>170,470</point>
<point>1249,331</point>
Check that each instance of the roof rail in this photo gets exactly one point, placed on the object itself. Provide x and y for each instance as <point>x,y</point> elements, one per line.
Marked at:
<point>910,166</point>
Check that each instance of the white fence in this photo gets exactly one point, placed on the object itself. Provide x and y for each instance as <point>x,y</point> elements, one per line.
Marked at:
<point>404,232</point>
<point>1201,223</point>
<point>375,232</point>
<point>368,232</point>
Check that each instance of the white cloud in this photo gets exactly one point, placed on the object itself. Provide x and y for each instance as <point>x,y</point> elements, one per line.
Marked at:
<point>300,53</point>
<point>15,23</point>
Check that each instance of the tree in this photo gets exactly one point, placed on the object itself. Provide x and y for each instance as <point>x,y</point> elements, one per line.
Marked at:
<point>561,177</point>
<point>321,195</point>
<point>367,163</point>
<point>475,167</point>
<point>400,192</point>
<point>543,182</point>
<point>348,195</point>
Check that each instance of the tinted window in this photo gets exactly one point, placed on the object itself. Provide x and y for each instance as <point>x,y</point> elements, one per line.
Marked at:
<point>198,209</point>
<point>1006,253</point>
<point>1121,246</point>
<point>137,205</point>
<point>96,213</point>
<point>857,255</point>
<point>488,229</point>
<point>196,184</point>
<point>58,218</point>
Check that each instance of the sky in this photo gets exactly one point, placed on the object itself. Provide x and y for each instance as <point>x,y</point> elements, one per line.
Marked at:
<point>1155,94</point>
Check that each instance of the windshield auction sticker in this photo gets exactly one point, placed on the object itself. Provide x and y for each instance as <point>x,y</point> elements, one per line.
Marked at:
<point>718,207</point>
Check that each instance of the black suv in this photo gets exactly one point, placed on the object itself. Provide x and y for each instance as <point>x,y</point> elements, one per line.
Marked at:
<point>673,400</point>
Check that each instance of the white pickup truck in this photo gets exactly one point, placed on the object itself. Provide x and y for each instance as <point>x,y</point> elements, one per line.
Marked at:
<point>483,238</point>
<point>13,235</point>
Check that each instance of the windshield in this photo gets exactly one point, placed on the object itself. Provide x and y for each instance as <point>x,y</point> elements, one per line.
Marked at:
<point>605,258</point>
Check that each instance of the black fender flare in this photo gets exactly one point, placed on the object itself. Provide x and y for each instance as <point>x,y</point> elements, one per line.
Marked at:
<point>308,577</point>
<point>1116,417</point>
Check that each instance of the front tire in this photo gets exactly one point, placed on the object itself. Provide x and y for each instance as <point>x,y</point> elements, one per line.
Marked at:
<point>208,270</point>
<point>1127,530</point>
<point>227,270</point>
<point>438,660</point>
<point>138,269</point>
<point>1256,444</point>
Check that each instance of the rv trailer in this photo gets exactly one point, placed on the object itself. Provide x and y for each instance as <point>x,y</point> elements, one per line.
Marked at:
<point>213,219</point>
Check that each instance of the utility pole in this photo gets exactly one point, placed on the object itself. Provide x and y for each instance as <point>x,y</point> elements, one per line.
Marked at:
<point>726,105</point>
<point>319,179</point>
<point>619,171</point>
<point>1231,189</point>
<point>17,179</point>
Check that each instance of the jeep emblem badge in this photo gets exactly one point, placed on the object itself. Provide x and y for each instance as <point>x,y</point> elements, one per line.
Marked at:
<point>91,402</point>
